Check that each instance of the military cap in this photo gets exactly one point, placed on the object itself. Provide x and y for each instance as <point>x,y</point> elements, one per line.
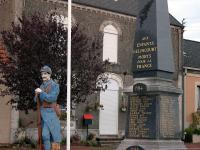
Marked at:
<point>46,69</point>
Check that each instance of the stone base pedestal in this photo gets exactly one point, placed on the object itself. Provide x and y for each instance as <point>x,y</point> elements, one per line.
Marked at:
<point>153,144</point>
<point>153,116</point>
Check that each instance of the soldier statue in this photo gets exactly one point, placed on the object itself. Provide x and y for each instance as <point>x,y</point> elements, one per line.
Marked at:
<point>47,95</point>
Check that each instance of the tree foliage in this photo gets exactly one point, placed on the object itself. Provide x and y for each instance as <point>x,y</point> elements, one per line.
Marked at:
<point>38,41</point>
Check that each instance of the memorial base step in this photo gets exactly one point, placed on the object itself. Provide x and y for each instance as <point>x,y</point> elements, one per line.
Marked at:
<point>152,144</point>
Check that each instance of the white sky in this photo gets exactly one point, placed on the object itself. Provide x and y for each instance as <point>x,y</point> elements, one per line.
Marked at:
<point>190,10</point>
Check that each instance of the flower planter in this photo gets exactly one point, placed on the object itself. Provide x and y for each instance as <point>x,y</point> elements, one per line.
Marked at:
<point>195,138</point>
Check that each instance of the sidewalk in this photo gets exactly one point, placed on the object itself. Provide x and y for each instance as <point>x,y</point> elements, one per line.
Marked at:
<point>193,146</point>
<point>189,147</point>
<point>88,148</point>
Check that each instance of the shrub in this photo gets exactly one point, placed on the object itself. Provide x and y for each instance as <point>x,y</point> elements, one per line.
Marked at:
<point>92,143</point>
<point>91,136</point>
<point>63,142</point>
<point>75,139</point>
<point>189,132</point>
<point>196,131</point>
<point>25,142</point>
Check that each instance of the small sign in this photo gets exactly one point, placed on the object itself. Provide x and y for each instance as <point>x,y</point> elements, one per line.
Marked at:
<point>135,148</point>
<point>140,88</point>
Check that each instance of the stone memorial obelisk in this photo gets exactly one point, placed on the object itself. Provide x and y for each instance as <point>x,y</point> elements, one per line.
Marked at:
<point>153,114</point>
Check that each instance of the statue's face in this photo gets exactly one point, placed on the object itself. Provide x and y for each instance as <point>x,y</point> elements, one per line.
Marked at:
<point>45,76</point>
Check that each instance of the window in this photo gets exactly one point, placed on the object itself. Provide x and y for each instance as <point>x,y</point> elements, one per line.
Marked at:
<point>198,98</point>
<point>110,43</point>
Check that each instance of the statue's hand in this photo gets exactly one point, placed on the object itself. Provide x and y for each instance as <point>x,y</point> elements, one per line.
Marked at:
<point>38,90</point>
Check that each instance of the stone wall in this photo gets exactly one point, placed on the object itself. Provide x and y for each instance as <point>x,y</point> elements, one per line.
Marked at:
<point>6,14</point>
<point>10,11</point>
<point>5,119</point>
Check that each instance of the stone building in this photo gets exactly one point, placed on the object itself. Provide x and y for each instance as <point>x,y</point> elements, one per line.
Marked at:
<point>117,21</point>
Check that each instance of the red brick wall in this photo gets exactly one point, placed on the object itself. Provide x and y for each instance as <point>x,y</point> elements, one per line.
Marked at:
<point>3,53</point>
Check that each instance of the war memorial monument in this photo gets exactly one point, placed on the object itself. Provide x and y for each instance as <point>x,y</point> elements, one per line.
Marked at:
<point>153,114</point>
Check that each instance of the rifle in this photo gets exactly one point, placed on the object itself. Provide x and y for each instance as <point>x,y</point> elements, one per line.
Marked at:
<point>39,124</point>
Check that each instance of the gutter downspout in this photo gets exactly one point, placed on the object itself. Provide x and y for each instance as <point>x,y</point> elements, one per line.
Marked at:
<point>183,77</point>
<point>183,101</point>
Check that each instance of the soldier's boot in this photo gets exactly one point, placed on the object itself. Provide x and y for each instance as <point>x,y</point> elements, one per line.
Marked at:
<point>55,146</point>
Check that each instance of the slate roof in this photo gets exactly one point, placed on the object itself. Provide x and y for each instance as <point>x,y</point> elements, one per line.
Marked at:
<point>191,53</point>
<point>128,7</point>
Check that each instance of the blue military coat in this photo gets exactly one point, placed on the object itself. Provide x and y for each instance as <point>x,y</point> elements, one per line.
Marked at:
<point>50,121</point>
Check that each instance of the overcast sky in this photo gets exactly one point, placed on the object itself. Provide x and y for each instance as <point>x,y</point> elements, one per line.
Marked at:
<point>190,10</point>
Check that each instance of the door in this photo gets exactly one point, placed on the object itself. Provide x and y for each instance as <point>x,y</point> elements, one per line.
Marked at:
<point>108,119</point>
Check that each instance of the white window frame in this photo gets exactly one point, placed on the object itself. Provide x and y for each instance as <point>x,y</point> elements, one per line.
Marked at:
<point>197,95</point>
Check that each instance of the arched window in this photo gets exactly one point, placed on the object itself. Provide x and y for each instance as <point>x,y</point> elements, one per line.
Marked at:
<point>110,43</point>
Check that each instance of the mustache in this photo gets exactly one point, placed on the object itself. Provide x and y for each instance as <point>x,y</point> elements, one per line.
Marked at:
<point>44,78</point>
